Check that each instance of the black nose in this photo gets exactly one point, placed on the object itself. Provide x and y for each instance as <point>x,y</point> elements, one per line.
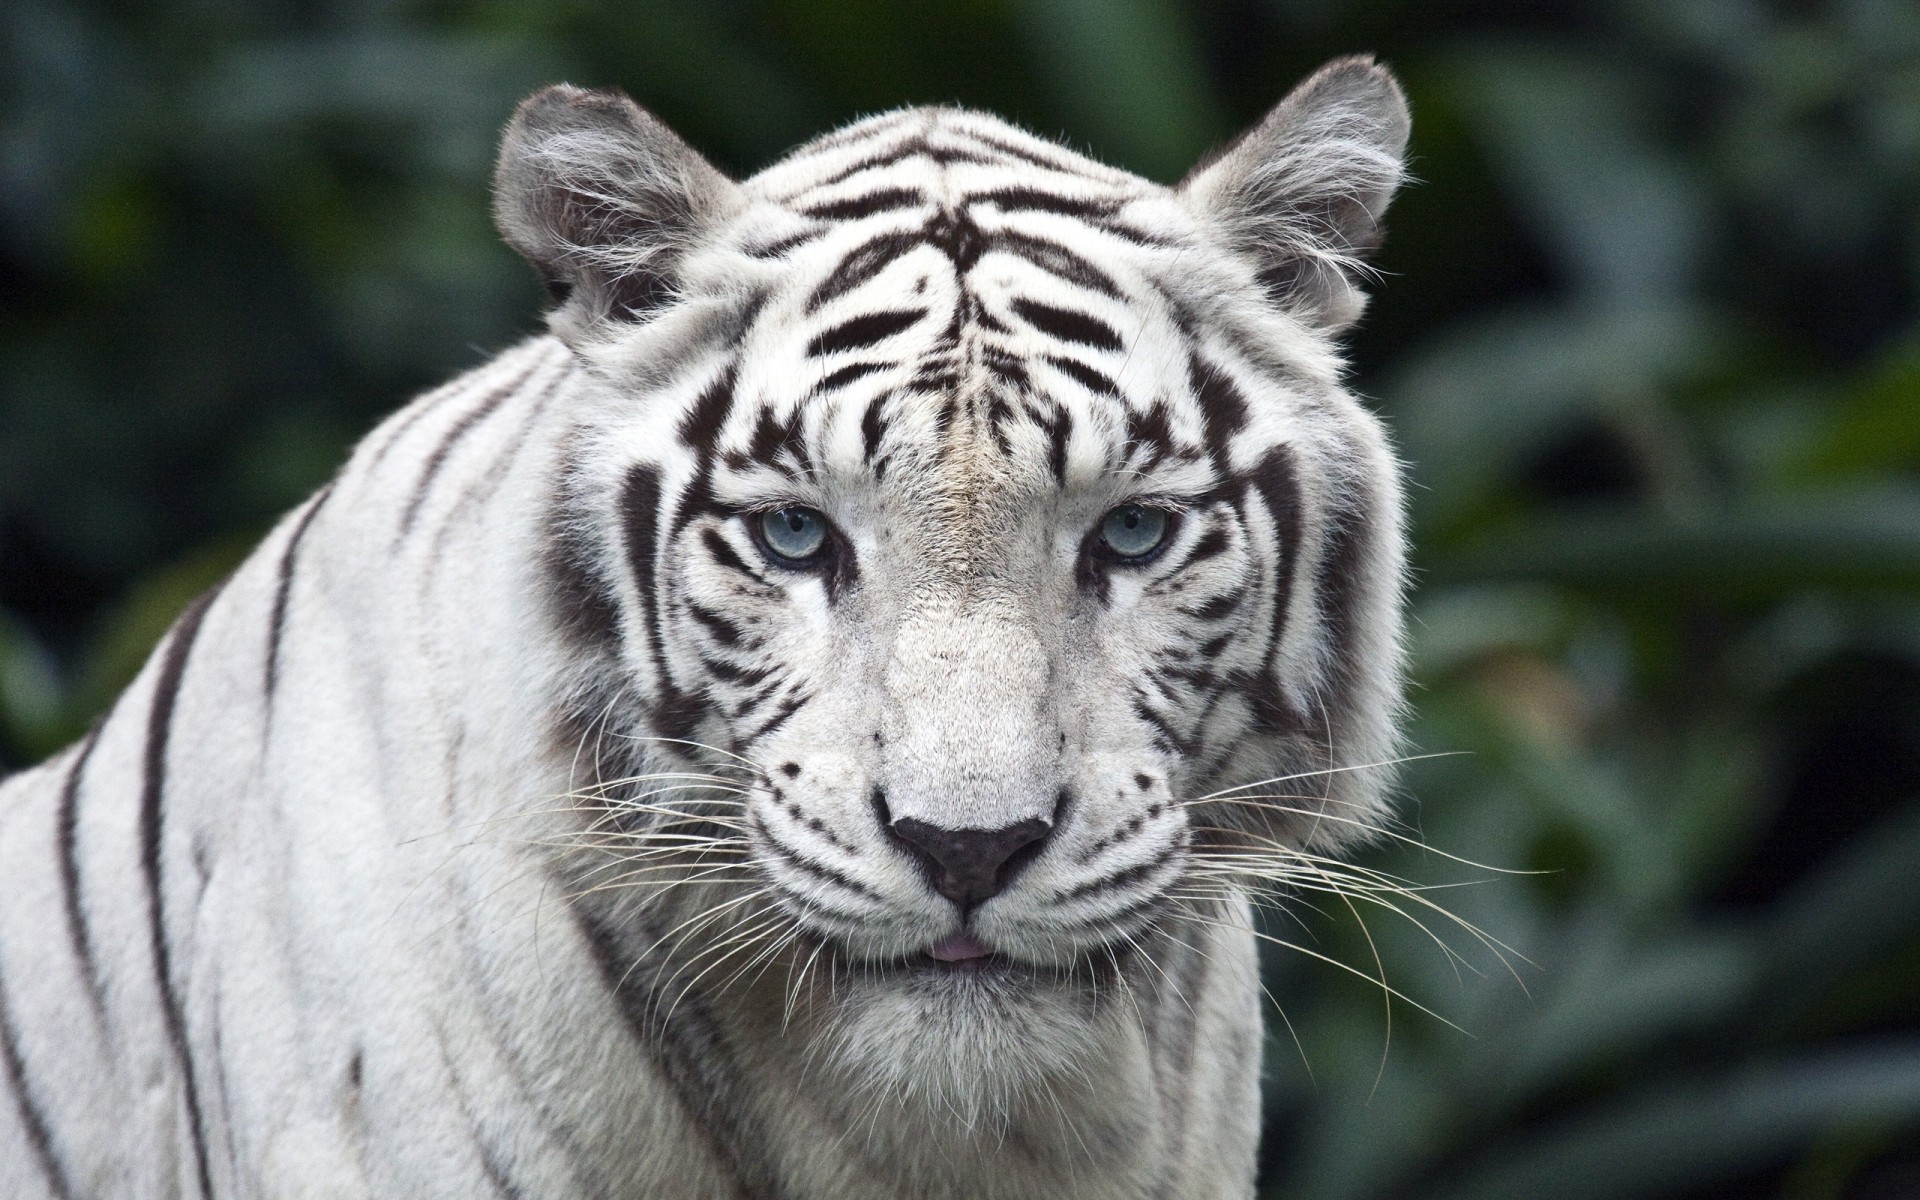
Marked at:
<point>969,865</point>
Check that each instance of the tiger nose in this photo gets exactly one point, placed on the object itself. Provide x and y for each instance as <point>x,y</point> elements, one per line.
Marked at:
<point>968,866</point>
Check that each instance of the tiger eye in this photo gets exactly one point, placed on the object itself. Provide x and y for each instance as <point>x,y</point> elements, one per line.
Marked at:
<point>794,534</point>
<point>1134,531</point>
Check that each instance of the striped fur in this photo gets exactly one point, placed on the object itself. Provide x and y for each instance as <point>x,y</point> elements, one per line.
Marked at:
<point>516,823</point>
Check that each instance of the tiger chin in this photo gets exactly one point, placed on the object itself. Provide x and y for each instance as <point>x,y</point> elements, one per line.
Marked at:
<point>809,725</point>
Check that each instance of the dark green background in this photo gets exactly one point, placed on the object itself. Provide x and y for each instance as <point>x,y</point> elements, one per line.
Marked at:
<point>1647,336</point>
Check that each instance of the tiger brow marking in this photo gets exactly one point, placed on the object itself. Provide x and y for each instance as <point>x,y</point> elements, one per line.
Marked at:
<point>863,331</point>
<point>166,694</point>
<point>69,820</point>
<point>283,590</point>
<point>1067,324</point>
<point>1060,164</point>
<point>1055,259</point>
<point>1094,381</point>
<point>854,207</point>
<point>861,264</point>
<point>841,377</point>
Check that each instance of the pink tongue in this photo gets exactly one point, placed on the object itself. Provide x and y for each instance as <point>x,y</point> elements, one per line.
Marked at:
<point>959,948</point>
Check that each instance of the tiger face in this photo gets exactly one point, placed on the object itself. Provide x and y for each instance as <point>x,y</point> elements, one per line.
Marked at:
<point>998,509</point>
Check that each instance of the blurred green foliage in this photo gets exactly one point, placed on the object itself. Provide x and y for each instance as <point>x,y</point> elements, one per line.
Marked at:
<point>1647,337</point>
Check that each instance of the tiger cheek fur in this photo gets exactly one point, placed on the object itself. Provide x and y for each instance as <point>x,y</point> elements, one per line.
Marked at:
<point>874,631</point>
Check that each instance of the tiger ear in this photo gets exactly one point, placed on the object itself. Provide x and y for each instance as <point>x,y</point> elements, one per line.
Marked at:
<point>602,198</point>
<point>1302,193</point>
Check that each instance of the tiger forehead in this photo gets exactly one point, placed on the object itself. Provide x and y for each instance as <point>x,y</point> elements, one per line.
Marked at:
<point>960,303</point>
<point>953,393</point>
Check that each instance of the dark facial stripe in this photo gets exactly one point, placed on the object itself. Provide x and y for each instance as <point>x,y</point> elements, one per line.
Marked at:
<point>1094,381</point>
<point>883,200</point>
<point>1149,435</point>
<point>1068,325</point>
<point>1059,435</point>
<point>68,823</point>
<point>780,247</point>
<point>1058,163</point>
<point>1164,732</point>
<point>861,265</point>
<point>724,554</point>
<point>841,377</point>
<point>1055,259</point>
<point>863,331</point>
<point>32,1120</point>
<point>810,866</point>
<point>462,426</point>
<point>1222,408</point>
<point>702,425</point>
<point>1338,579</point>
<point>283,589</point>
<point>1279,490</point>
<point>640,519</point>
<point>723,631</point>
<point>166,693</point>
<point>1120,880</point>
<point>787,708</point>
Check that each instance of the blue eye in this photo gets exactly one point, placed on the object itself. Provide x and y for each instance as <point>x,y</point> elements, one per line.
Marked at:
<point>794,534</point>
<point>1134,531</point>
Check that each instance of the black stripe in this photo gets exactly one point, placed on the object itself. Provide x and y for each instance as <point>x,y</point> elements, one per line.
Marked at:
<point>863,330</point>
<point>1068,325</point>
<point>807,865</point>
<point>426,405</point>
<point>1218,607</point>
<point>883,200</point>
<point>32,1120</point>
<point>461,426</point>
<point>1059,429</point>
<point>166,694</point>
<point>843,376</point>
<point>1179,1006</point>
<point>1094,381</point>
<point>1339,584</point>
<point>779,247</point>
<point>640,519</point>
<point>1026,199</point>
<point>861,265</point>
<point>702,426</point>
<point>1055,259</point>
<point>1164,732</point>
<point>1208,545</point>
<point>787,709</point>
<point>1279,488</point>
<point>722,630</point>
<point>724,554</point>
<point>1222,408</point>
<point>283,589</point>
<point>69,821</point>
<point>1125,877</point>
<point>1060,161</point>
<point>1150,431</point>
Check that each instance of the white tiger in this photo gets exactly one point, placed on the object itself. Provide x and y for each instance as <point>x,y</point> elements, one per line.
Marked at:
<point>760,740</point>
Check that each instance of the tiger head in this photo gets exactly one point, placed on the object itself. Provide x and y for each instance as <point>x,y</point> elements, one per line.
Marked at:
<point>1004,512</point>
